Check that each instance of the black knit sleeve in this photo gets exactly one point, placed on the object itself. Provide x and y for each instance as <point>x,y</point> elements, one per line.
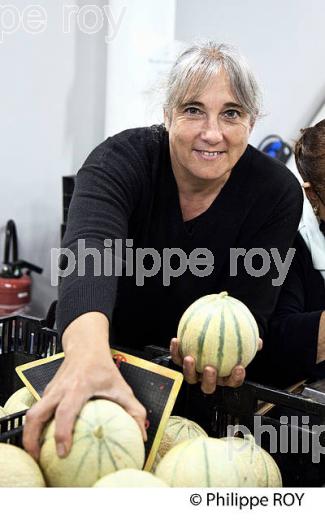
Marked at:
<point>293,330</point>
<point>290,347</point>
<point>108,189</point>
<point>277,223</point>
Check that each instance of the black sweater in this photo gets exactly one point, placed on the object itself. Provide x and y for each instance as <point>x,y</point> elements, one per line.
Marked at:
<point>290,348</point>
<point>126,189</point>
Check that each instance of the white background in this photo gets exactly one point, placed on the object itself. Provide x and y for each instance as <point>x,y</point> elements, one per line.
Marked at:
<point>61,93</point>
<point>153,503</point>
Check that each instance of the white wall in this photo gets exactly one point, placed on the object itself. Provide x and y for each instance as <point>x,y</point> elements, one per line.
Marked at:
<point>137,57</point>
<point>53,106</point>
<point>52,93</point>
<point>62,93</point>
<point>284,42</point>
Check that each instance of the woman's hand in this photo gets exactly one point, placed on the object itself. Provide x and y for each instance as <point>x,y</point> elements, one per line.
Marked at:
<point>209,378</point>
<point>88,370</point>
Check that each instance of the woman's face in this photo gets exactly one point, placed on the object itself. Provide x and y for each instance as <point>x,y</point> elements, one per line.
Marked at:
<point>208,134</point>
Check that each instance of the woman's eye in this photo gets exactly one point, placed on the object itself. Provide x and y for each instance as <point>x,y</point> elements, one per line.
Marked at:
<point>232,114</point>
<point>193,111</point>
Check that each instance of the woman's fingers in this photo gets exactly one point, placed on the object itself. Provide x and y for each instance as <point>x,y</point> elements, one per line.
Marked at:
<point>174,351</point>
<point>139,414</point>
<point>65,417</point>
<point>236,377</point>
<point>189,370</point>
<point>188,363</point>
<point>36,418</point>
<point>121,393</point>
<point>209,380</point>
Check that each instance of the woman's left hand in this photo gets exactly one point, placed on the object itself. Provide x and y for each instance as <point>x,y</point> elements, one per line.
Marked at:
<point>209,378</point>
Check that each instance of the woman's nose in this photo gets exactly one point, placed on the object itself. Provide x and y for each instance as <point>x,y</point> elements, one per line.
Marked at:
<point>212,131</point>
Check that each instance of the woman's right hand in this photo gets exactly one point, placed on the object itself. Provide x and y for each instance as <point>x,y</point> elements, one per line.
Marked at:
<point>88,370</point>
<point>209,378</point>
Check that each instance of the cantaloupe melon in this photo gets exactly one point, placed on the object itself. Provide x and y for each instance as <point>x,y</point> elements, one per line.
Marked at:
<point>18,468</point>
<point>204,462</point>
<point>130,478</point>
<point>178,429</point>
<point>264,466</point>
<point>20,400</point>
<point>219,331</point>
<point>105,439</point>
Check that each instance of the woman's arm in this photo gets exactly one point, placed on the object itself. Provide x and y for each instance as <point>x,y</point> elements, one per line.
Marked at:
<point>295,339</point>
<point>107,190</point>
<point>270,247</point>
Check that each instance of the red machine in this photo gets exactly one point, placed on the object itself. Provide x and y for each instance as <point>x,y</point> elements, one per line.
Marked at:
<point>15,284</point>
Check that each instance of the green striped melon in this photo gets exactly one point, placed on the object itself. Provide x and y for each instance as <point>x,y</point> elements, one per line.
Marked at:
<point>18,468</point>
<point>178,429</point>
<point>264,466</point>
<point>219,331</point>
<point>130,478</point>
<point>105,439</point>
<point>204,462</point>
<point>20,400</point>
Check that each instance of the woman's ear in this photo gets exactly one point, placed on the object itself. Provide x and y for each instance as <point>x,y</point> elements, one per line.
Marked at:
<point>310,193</point>
<point>312,196</point>
<point>166,119</point>
<point>251,125</point>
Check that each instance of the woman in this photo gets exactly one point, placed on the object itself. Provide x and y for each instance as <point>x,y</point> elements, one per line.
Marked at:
<point>192,185</point>
<point>294,348</point>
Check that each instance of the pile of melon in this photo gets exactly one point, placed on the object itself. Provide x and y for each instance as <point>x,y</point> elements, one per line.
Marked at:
<point>227,462</point>
<point>17,468</point>
<point>108,449</point>
<point>106,439</point>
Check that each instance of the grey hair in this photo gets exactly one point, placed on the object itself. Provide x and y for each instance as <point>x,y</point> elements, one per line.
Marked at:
<point>196,66</point>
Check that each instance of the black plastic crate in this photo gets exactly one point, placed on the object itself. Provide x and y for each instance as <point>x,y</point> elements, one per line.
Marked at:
<point>68,183</point>
<point>22,339</point>
<point>230,410</point>
<point>63,229</point>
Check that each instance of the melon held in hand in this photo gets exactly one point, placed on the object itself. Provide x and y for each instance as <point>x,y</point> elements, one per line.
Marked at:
<point>219,331</point>
<point>105,439</point>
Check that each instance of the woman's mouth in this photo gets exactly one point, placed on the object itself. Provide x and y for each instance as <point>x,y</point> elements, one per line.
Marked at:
<point>204,154</point>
